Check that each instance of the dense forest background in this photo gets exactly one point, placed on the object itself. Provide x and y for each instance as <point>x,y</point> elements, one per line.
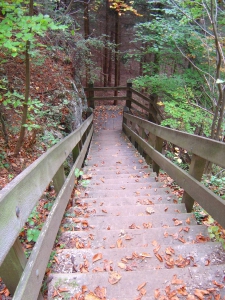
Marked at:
<point>50,50</point>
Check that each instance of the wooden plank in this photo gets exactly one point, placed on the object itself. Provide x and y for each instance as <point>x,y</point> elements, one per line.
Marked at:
<point>141,95</point>
<point>212,203</point>
<point>110,98</point>
<point>196,170</point>
<point>37,263</point>
<point>105,89</point>
<point>129,95</point>
<point>22,193</point>
<point>13,266</point>
<point>140,105</point>
<point>59,179</point>
<point>208,149</point>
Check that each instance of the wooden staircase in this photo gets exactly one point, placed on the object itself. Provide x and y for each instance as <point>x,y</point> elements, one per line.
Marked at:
<point>127,237</point>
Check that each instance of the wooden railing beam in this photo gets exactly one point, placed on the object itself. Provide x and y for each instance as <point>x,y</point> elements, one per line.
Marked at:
<point>12,268</point>
<point>196,170</point>
<point>59,179</point>
<point>129,95</point>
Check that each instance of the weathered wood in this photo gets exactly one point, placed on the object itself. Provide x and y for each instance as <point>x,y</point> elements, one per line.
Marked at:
<point>212,203</point>
<point>152,117</point>
<point>59,179</point>
<point>19,197</point>
<point>13,266</point>
<point>196,170</point>
<point>158,147</point>
<point>105,89</point>
<point>140,95</point>
<point>140,105</point>
<point>91,95</point>
<point>110,98</point>
<point>129,94</point>
<point>208,149</point>
<point>36,266</point>
<point>76,152</point>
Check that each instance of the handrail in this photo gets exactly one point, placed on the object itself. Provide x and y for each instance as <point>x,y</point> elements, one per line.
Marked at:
<point>151,110</point>
<point>19,197</point>
<point>202,148</point>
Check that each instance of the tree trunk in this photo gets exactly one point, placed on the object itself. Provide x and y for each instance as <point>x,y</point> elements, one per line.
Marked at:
<point>27,90</point>
<point>86,36</point>
<point>106,52</point>
<point>116,79</point>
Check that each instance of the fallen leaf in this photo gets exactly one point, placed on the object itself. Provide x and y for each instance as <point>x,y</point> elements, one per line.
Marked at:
<point>177,281</point>
<point>150,210</point>
<point>170,251</point>
<point>61,290</point>
<point>91,296</point>
<point>177,222</point>
<point>188,221</point>
<point>100,292</point>
<point>97,257</point>
<point>157,293</point>
<point>218,284</point>
<point>104,210</point>
<point>84,289</point>
<point>119,243</point>
<point>200,293</point>
<point>114,277</point>
<point>128,237</point>
<point>144,254</point>
<point>141,286</point>
<point>159,257</point>
<point>122,265</point>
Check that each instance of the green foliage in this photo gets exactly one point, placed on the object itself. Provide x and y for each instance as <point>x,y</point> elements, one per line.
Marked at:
<point>33,234</point>
<point>16,28</point>
<point>215,234</point>
<point>216,184</point>
<point>83,182</point>
<point>78,173</point>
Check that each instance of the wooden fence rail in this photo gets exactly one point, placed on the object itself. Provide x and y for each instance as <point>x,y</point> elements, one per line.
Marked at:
<point>18,199</point>
<point>202,150</point>
<point>149,105</point>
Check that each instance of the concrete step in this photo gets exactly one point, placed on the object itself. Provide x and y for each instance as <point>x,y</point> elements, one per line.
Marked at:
<point>184,281</point>
<point>121,200</point>
<point>122,181</point>
<point>127,201</point>
<point>117,170</point>
<point>103,208</point>
<point>122,176</point>
<point>107,239</point>
<point>118,186</point>
<point>127,193</point>
<point>126,222</point>
<point>140,258</point>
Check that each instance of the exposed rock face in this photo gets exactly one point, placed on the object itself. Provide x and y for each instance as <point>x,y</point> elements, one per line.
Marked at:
<point>78,104</point>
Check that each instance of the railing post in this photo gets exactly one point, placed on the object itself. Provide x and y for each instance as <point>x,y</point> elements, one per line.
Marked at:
<point>59,179</point>
<point>152,111</point>
<point>196,170</point>
<point>12,267</point>
<point>91,95</point>
<point>158,147</point>
<point>76,152</point>
<point>129,95</point>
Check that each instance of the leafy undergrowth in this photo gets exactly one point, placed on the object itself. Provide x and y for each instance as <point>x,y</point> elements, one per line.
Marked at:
<point>51,77</point>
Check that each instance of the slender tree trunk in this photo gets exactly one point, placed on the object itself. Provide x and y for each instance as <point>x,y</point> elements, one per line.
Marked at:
<point>27,90</point>
<point>110,63</point>
<point>106,52</point>
<point>116,79</point>
<point>86,36</point>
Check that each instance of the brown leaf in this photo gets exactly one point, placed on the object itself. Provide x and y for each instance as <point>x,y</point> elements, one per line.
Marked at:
<point>122,265</point>
<point>100,292</point>
<point>104,210</point>
<point>119,243</point>
<point>61,290</point>
<point>146,255</point>
<point>170,251</point>
<point>188,221</point>
<point>141,286</point>
<point>177,222</point>
<point>218,284</point>
<point>182,291</point>
<point>177,281</point>
<point>191,297</point>
<point>84,289</point>
<point>128,237</point>
<point>97,257</point>
<point>143,292</point>
<point>200,293</point>
<point>157,294</point>
<point>91,296</point>
<point>159,257</point>
<point>114,277</point>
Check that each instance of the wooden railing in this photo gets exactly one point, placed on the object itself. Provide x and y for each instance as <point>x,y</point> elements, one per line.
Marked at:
<point>24,278</point>
<point>148,138</point>
<point>135,101</point>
